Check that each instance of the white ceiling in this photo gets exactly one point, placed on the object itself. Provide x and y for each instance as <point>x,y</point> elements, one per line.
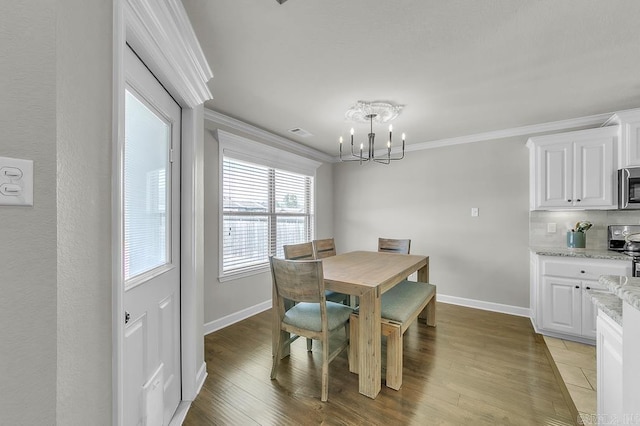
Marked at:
<point>460,67</point>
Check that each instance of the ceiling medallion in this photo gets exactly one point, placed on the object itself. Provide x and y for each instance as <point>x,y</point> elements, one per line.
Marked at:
<point>384,112</point>
<point>368,112</point>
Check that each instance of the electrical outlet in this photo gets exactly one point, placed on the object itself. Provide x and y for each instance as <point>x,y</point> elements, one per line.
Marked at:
<point>16,182</point>
<point>551,228</point>
<point>475,212</point>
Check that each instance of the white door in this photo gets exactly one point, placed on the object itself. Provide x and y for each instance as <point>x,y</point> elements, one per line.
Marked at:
<point>151,249</point>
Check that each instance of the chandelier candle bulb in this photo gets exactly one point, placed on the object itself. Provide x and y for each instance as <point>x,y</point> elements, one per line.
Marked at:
<point>380,112</point>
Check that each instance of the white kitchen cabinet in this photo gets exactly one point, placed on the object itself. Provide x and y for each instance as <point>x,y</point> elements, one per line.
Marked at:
<point>631,368</point>
<point>561,306</point>
<point>609,354</point>
<point>574,170</point>
<point>629,136</point>
<point>589,310</point>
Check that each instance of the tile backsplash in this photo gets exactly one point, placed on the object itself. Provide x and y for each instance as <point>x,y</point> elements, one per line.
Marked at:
<point>596,237</point>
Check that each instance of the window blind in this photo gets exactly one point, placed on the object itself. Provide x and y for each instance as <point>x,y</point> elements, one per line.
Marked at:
<point>263,208</point>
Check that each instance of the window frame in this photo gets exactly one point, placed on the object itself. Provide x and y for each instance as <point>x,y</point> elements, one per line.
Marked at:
<point>243,149</point>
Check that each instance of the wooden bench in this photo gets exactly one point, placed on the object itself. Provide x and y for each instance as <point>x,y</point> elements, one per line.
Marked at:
<point>400,306</point>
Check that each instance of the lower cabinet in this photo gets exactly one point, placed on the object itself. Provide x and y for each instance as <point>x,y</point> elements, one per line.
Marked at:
<point>610,375</point>
<point>561,283</point>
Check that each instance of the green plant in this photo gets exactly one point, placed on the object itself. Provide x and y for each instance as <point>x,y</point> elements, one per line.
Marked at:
<point>582,226</point>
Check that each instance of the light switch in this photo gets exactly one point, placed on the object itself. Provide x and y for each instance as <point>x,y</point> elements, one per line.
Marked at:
<point>16,182</point>
<point>551,228</point>
<point>475,212</point>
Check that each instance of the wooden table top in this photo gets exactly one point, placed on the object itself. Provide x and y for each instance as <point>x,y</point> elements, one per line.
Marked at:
<point>358,272</point>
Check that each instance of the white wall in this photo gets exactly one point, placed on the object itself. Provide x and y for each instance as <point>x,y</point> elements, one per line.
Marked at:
<point>428,196</point>
<point>226,301</point>
<point>84,103</point>
<point>28,234</point>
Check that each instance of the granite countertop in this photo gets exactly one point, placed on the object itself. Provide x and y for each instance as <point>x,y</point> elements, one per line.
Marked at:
<point>610,303</point>
<point>626,288</point>
<point>577,252</point>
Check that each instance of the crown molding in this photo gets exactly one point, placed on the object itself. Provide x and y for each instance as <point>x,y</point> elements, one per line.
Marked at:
<point>553,126</point>
<point>161,34</point>
<point>270,138</point>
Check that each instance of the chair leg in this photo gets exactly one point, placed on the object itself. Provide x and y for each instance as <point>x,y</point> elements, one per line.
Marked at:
<point>394,359</point>
<point>353,344</point>
<point>309,344</point>
<point>277,356</point>
<point>325,369</point>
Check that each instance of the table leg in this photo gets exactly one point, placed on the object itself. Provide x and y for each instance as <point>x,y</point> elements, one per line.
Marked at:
<point>423,273</point>
<point>429,312</point>
<point>369,344</point>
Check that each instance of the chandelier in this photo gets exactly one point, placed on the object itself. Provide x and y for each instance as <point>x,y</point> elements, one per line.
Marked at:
<point>380,112</point>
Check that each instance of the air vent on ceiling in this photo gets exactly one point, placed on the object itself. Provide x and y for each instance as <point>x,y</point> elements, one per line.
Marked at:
<point>300,132</point>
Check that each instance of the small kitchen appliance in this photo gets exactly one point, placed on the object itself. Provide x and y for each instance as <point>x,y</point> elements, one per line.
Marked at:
<point>629,188</point>
<point>626,239</point>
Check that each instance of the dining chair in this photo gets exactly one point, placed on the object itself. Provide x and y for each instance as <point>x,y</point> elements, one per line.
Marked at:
<point>321,250</point>
<point>390,245</point>
<point>324,248</point>
<point>301,251</point>
<point>312,316</point>
<point>306,251</point>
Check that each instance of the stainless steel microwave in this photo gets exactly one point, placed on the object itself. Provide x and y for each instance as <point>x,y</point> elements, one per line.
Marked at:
<point>629,188</point>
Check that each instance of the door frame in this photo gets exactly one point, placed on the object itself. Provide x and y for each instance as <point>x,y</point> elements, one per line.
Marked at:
<point>161,34</point>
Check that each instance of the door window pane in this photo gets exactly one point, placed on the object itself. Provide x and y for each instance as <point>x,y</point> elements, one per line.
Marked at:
<point>146,189</point>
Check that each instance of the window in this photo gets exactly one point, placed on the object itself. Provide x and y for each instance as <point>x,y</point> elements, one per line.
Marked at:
<point>263,208</point>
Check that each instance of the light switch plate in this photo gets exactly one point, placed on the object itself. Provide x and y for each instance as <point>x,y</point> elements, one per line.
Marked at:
<point>551,228</point>
<point>16,182</point>
<point>475,212</point>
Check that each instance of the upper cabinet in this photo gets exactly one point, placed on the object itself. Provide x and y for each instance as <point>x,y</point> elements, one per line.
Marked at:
<point>574,170</point>
<point>629,134</point>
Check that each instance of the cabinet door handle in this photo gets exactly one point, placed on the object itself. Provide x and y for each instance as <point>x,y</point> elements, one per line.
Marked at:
<point>588,288</point>
<point>582,272</point>
<point>578,200</point>
<point>569,200</point>
<point>577,286</point>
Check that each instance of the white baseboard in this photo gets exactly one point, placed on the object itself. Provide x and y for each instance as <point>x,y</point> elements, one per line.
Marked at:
<point>485,306</point>
<point>180,414</point>
<point>200,377</point>
<point>223,322</point>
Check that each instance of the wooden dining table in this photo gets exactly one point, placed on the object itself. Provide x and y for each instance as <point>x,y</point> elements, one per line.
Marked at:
<point>368,275</point>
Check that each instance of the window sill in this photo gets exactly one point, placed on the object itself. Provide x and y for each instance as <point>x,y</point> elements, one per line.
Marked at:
<point>243,274</point>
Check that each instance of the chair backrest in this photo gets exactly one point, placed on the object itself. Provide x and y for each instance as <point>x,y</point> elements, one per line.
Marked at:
<point>324,248</point>
<point>391,245</point>
<point>302,251</point>
<point>298,280</point>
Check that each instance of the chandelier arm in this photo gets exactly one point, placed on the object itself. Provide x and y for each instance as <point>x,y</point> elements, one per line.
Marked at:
<point>355,158</point>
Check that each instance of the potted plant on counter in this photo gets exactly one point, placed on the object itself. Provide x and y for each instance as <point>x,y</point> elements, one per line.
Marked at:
<point>576,238</point>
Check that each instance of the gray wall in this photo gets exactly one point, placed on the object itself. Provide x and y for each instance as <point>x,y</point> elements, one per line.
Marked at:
<point>428,197</point>
<point>28,234</point>
<point>230,297</point>
<point>56,279</point>
<point>84,95</point>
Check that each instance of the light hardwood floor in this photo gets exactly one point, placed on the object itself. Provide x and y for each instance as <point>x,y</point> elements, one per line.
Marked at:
<point>474,368</point>
<point>576,363</point>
